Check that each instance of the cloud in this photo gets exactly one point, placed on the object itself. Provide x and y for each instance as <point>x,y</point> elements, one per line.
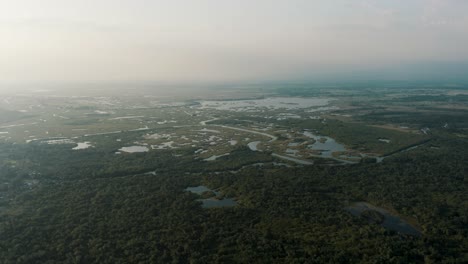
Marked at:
<point>212,39</point>
<point>444,13</point>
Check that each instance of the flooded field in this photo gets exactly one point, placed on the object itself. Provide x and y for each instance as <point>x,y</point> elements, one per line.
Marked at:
<point>288,103</point>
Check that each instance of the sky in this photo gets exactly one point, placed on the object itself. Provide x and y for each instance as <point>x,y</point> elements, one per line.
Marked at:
<point>231,40</point>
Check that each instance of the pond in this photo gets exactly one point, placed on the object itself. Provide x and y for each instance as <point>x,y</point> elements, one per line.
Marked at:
<point>253,145</point>
<point>134,149</point>
<point>211,202</point>
<point>82,145</point>
<point>198,189</point>
<point>215,157</point>
<point>391,222</point>
<point>385,140</point>
<point>326,145</point>
<point>165,145</point>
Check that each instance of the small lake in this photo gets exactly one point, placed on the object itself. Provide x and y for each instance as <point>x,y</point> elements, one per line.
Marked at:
<point>326,145</point>
<point>391,222</point>
<point>211,202</point>
<point>134,149</point>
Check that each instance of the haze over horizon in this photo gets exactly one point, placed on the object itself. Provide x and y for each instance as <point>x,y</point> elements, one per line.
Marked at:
<point>228,41</point>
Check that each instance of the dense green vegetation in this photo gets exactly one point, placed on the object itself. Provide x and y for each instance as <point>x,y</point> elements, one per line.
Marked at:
<point>284,214</point>
<point>58,205</point>
<point>433,118</point>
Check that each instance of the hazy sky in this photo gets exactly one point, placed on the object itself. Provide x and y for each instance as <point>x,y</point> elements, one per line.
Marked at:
<point>227,40</point>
